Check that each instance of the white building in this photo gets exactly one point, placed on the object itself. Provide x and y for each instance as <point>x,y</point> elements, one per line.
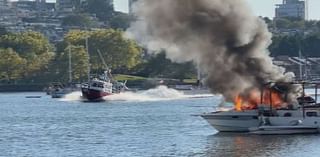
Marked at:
<point>292,8</point>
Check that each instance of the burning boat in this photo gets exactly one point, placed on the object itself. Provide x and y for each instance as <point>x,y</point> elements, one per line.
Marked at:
<point>269,113</point>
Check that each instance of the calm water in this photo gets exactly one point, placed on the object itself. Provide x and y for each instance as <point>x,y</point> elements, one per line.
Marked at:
<point>50,127</point>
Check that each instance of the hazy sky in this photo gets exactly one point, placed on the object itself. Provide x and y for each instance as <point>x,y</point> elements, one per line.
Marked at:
<point>260,7</point>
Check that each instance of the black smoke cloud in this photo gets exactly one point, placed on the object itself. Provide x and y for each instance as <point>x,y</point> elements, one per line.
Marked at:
<point>223,37</point>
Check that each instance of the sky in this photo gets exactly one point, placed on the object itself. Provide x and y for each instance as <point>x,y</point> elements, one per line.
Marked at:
<point>263,8</point>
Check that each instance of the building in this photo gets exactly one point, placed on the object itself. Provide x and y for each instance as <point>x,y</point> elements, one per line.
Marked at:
<point>131,2</point>
<point>292,8</point>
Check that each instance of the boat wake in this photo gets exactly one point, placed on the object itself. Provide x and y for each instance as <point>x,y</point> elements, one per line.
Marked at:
<point>74,96</point>
<point>160,93</point>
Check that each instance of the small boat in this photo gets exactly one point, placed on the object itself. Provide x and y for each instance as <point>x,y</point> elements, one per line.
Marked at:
<point>33,97</point>
<point>57,90</point>
<point>99,87</point>
<point>284,130</point>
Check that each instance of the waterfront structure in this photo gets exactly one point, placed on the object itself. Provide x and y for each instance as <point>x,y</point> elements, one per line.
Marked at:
<point>292,8</point>
<point>303,67</point>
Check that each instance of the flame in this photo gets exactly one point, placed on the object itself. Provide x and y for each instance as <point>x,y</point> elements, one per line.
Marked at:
<point>238,103</point>
<point>255,98</point>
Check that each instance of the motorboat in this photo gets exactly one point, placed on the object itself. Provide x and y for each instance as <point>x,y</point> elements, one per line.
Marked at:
<point>268,120</point>
<point>99,87</point>
<point>102,85</point>
<point>59,90</point>
<point>56,90</point>
<point>234,121</point>
<point>284,130</point>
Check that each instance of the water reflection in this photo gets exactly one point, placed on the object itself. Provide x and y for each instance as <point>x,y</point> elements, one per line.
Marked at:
<point>246,145</point>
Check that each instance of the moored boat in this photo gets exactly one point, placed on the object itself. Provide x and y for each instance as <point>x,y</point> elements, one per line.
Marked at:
<point>284,130</point>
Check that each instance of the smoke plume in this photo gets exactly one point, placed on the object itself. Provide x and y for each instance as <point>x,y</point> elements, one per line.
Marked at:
<point>223,37</point>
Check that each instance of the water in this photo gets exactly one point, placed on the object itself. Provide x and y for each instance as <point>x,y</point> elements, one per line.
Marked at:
<point>151,126</point>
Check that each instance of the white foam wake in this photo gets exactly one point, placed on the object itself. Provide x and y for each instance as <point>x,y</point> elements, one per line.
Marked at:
<point>160,93</point>
<point>74,96</point>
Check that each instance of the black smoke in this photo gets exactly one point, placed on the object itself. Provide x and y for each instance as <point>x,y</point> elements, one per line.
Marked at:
<point>222,36</point>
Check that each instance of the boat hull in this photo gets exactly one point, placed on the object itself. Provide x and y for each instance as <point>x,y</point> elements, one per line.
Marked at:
<point>284,130</point>
<point>232,123</point>
<point>94,95</point>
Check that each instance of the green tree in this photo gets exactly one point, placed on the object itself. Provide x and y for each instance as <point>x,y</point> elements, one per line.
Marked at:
<point>286,45</point>
<point>79,63</point>
<point>120,21</point>
<point>310,24</point>
<point>117,51</point>
<point>103,9</point>
<point>311,45</point>
<point>159,66</point>
<point>31,46</point>
<point>11,65</point>
<point>283,23</point>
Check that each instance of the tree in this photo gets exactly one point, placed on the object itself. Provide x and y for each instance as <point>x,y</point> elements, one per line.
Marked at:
<point>120,21</point>
<point>11,65</point>
<point>159,66</point>
<point>79,63</point>
<point>286,45</point>
<point>310,24</point>
<point>318,25</point>
<point>103,9</point>
<point>311,46</point>
<point>282,23</point>
<point>3,31</point>
<point>116,50</point>
<point>31,46</point>
<point>80,20</point>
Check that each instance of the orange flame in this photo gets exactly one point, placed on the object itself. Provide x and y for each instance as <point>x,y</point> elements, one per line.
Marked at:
<point>238,103</point>
<point>254,98</point>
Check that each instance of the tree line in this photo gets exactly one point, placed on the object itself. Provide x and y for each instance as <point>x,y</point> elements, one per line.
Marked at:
<point>292,45</point>
<point>294,35</point>
<point>28,57</point>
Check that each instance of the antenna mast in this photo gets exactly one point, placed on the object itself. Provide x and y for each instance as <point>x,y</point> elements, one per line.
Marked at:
<point>102,59</point>
<point>70,65</point>
<point>87,49</point>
